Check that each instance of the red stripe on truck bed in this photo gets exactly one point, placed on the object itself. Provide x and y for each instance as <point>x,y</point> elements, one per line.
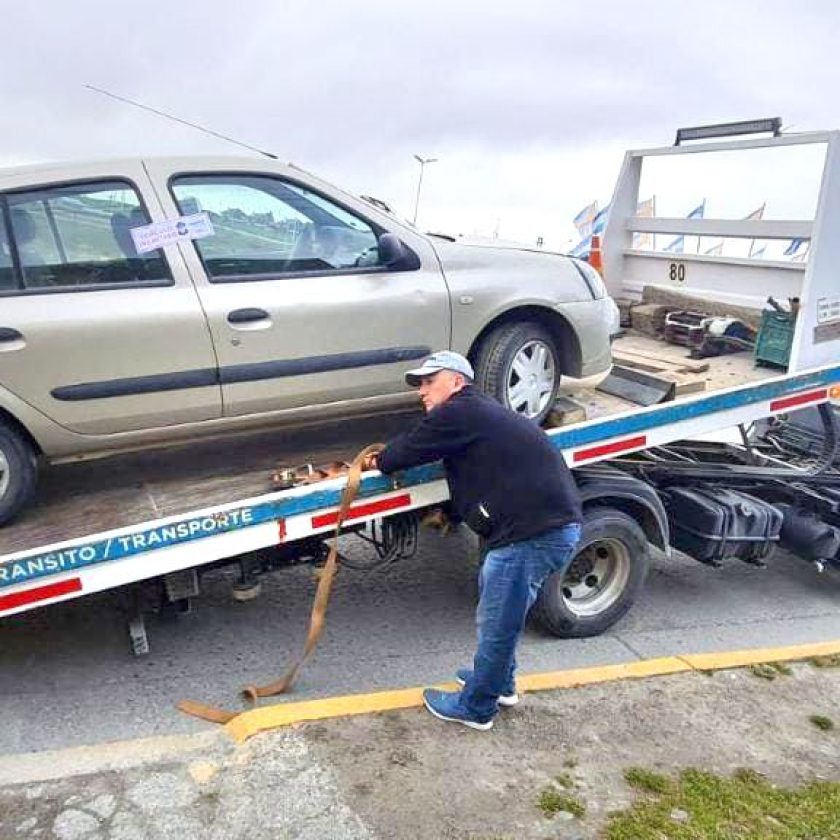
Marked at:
<point>358,511</point>
<point>610,448</point>
<point>799,399</point>
<point>40,593</point>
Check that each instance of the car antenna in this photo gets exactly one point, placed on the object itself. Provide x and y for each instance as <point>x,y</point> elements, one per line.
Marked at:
<point>178,119</point>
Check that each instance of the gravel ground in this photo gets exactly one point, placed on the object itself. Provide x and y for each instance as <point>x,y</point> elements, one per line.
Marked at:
<point>407,775</point>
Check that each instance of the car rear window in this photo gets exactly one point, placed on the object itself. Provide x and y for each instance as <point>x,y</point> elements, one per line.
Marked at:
<point>77,236</point>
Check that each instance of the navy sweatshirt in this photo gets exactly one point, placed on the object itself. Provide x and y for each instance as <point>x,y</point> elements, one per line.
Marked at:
<point>507,481</point>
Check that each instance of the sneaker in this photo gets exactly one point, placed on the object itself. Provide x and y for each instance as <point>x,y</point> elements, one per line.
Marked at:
<point>511,699</point>
<point>446,705</point>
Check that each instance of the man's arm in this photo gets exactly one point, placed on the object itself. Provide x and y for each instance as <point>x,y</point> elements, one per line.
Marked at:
<point>442,432</point>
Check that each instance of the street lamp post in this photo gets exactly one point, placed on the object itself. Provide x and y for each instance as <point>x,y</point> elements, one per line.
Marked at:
<point>422,162</point>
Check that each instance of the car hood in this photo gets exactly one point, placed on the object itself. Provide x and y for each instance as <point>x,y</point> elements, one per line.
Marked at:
<point>550,277</point>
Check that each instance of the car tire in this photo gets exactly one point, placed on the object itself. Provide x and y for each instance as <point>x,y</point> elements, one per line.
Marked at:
<point>602,581</point>
<point>515,343</point>
<point>18,472</point>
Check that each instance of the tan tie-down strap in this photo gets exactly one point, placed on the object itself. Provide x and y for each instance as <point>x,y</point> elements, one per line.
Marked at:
<point>319,608</point>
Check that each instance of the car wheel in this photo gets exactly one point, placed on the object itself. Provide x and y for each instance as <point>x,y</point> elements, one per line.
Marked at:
<point>18,472</point>
<point>519,365</point>
<point>602,581</point>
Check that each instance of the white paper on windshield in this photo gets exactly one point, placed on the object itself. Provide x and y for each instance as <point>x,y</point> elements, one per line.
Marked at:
<point>159,234</point>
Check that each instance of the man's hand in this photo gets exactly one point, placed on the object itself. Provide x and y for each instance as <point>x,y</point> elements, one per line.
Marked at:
<point>436,518</point>
<point>370,462</point>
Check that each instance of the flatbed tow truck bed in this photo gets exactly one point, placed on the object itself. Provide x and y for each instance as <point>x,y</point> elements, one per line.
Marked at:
<point>76,500</point>
<point>167,515</point>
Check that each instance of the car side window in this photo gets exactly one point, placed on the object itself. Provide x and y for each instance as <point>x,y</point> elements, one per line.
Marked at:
<point>78,236</point>
<point>266,226</point>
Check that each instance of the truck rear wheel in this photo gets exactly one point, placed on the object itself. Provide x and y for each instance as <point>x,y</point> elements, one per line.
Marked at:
<point>603,580</point>
<point>18,472</point>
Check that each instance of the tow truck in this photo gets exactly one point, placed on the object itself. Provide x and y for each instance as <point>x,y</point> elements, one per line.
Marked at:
<point>648,476</point>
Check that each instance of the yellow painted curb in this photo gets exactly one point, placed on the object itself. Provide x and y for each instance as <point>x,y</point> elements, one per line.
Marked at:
<point>249,723</point>
<point>603,673</point>
<point>739,658</point>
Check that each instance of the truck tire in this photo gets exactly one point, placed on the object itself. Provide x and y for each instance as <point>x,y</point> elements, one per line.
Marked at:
<point>18,472</point>
<point>603,580</point>
<point>522,347</point>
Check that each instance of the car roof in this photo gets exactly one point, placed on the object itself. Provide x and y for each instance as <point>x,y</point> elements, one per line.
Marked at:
<point>176,161</point>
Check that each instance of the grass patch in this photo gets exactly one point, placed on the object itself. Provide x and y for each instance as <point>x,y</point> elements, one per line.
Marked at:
<point>552,801</point>
<point>822,722</point>
<point>571,762</point>
<point>646,780</point>
<point>565,780</point>
<point>781,668</point>
<point>832,661</point>
<point>764,671</point>
<point>744,807</point>
<point>748,776</point>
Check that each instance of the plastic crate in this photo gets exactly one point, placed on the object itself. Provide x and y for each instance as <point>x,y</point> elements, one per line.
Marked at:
<point>775,336</point>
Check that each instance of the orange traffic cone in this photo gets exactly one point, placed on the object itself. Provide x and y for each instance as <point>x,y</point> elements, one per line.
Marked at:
<point>595,254</point>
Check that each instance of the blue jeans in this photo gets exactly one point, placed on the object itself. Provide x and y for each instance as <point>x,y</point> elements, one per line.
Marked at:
<point>508,584</point>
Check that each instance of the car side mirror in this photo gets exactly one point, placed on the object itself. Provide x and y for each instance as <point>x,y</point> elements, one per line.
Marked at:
<point>392,252</point>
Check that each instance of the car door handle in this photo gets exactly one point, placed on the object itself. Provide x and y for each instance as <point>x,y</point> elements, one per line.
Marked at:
<point>247,316</point>
<point>8,334</point>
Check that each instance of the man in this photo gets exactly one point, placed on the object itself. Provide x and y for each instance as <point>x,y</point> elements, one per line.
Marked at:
<point>512,487</point>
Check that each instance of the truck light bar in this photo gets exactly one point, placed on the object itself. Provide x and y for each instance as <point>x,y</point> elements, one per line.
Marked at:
<point>701,132</point>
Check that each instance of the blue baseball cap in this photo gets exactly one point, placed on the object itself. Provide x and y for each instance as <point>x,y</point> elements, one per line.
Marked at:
<point>442,360</point>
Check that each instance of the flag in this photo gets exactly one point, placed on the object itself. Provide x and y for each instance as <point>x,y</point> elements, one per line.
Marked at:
<point>647,210</point>
<point>715,250</point>
<point>600,221</point>
<point>583,248</point>
<point>795,244</point>
<point>583,220</point>
<point>698,212</point>
<point>677,246</point>
<point>754,216</point>
<point>802,255</point>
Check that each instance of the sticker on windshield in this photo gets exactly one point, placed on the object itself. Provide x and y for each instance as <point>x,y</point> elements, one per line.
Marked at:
<point>158,234</point>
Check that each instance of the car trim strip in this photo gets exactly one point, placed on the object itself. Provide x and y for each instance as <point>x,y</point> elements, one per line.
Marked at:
<point>236,373</point>
<point>137,385</point>
<point>320,364</point>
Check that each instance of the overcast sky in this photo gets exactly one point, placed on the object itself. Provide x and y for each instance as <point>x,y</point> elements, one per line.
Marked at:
<point>528,105</point>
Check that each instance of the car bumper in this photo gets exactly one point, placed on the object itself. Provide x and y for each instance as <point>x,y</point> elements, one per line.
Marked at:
<point>594,322</point>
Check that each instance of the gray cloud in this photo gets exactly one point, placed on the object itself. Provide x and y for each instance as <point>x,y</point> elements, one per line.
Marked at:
<point>354,88</point>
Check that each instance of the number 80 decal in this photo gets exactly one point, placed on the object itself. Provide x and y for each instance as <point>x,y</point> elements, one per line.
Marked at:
<point>676,272</point>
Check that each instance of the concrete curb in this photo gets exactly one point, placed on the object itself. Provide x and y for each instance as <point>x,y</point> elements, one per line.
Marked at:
<point>28,768</point>
<point>250,723</point>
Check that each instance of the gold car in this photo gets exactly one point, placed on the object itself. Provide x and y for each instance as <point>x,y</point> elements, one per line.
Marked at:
<point>271,298</point>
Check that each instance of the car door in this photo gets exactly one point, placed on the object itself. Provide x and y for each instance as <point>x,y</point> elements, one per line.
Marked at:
<point>98,338</point>
<point>301,308</point>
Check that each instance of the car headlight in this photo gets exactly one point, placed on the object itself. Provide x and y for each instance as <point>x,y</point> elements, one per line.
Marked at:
<point>592,279</point>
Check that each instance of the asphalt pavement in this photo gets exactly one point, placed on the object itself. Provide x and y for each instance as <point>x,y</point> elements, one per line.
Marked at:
<point>67,677</point>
